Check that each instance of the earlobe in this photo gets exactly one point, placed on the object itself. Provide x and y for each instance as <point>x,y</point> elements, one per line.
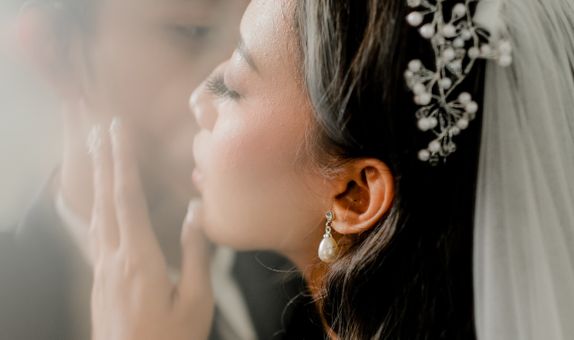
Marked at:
<point>36,36</point>
<point>366,193</point>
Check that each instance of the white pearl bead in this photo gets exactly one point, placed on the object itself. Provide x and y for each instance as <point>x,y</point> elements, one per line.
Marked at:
<point>462,123</point>
<point>434,146</point>
<point>456,65</point>
<point>473,52</point>
<point>414,3</point>
<point>415,65</point>
<point>471,107</point>
<point>445,83</point>
<point>450,147</point>
<point>427,31</point>
<point>466,34</point>
<point>424,124</point>
<point>419,88</point>
<point>464,98</point>
<point>424,155</point>
<point>448,54</point>
<point>433,122</point>
<point>449,31</point>
<point>505,47</point>
<point>505,60</point>
<point>415,18</point>
<point>459,9</point>
<point>454,131</point>
<point>328,250</point>
<point>458,42</point>
<point>423,99</point>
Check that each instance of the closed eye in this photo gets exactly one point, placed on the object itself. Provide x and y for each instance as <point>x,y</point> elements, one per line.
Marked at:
<point>216,85</point>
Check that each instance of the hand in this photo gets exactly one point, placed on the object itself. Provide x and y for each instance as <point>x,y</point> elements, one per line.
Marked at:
<point>133,297</point>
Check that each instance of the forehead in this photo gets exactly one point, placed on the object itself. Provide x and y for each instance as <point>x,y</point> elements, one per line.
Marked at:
<point>197,8</point>
<point>160,3</point>
<point>268,33</point>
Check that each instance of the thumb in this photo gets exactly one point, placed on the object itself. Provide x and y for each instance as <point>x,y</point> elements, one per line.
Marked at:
<point>195,275</point>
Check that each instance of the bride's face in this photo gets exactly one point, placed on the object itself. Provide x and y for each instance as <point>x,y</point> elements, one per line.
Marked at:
<point>259,187</point>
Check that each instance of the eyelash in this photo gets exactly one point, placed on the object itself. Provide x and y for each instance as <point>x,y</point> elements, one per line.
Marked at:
<point>216,85</point>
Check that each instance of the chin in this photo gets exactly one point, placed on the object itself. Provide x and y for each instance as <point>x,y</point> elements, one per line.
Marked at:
<point>236,238</point>
<point>226,237</point>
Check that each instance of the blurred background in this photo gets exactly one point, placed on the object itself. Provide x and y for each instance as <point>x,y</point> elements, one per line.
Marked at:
<point>145,59</point>
<point>29,136</point>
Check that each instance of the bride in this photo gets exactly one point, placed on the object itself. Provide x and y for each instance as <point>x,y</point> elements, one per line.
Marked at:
<point>412,158</point>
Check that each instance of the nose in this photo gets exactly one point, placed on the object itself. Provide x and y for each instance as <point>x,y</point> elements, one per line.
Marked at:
<point>201,105</point>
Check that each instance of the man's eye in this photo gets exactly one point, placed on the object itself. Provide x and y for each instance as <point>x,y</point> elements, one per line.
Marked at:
<point>192,32</point>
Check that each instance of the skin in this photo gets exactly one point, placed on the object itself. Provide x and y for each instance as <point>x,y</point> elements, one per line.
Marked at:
<point>259,188</point>
<point>250,148</point>
<point>132,296</point>
<point>251,154</point>
<point>139,61</point>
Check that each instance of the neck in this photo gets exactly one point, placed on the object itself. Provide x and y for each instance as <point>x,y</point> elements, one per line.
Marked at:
<point>314,272</point>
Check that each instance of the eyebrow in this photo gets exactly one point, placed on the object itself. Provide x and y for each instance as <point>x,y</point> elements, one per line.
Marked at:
<point>244,53</point>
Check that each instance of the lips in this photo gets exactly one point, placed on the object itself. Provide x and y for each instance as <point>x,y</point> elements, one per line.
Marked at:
<point>197,179</point>
<point>196,175</point>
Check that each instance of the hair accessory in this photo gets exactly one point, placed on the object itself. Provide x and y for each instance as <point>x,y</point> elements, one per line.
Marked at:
<point>328,248</point>
<point>457,43</point>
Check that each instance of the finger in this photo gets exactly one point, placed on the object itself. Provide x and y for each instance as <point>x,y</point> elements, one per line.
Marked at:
<point>131,209</point>
<point>103,222</point>
<point>195,275</point>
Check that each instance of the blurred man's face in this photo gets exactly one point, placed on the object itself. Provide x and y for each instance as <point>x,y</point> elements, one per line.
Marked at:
<point>145,58</point>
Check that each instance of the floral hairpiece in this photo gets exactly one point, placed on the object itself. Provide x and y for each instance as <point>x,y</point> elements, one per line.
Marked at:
<point>457,43</point>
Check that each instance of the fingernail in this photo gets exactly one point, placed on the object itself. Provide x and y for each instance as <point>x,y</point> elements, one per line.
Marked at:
<point>94,141</point>
<point>193,211</point>
<point>115,125</point>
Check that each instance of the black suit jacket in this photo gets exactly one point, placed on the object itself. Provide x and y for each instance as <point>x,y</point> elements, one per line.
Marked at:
<point>39,260</point>
<point>35,272</point>
<point>278,301</point>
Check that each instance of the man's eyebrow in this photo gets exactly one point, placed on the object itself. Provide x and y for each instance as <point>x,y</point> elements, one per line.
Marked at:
<point>244,53</point>
<point>198,1</point>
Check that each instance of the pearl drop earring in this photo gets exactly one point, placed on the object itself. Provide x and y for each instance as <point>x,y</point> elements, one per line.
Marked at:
<point>328,248</point>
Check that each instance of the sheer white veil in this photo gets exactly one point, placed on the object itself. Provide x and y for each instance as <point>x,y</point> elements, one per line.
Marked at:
<point>524,219</point>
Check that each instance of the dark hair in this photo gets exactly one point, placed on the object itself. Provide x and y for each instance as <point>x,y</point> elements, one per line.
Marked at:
<point>410,277</point>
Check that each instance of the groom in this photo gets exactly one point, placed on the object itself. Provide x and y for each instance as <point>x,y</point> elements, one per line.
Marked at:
<point>140,59</point>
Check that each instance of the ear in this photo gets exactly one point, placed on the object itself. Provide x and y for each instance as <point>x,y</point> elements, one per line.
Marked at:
<point>42,44</point>
<point>364,194</point>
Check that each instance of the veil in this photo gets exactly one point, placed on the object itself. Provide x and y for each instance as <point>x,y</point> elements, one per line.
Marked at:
<point>524,218</point>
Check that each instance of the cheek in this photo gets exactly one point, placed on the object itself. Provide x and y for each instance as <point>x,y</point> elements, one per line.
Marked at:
<point>151,87</point>
<point>256,192</point>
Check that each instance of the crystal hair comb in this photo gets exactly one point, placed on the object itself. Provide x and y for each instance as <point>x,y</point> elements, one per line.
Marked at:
<point>457,43</point>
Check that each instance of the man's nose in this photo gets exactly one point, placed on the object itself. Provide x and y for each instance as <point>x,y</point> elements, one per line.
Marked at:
<point>201,105</point>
